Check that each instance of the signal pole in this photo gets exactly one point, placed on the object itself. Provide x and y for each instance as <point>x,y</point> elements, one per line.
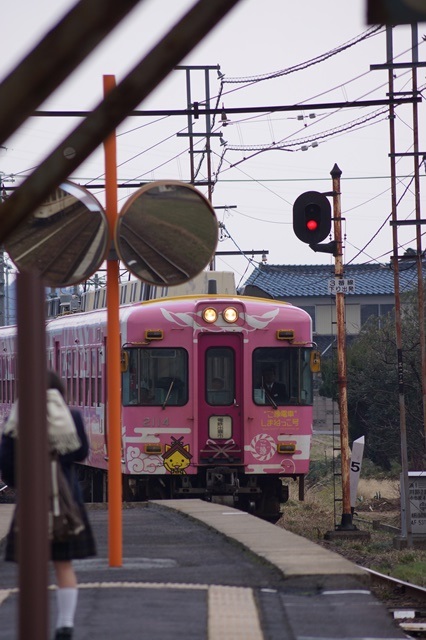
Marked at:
<point>346,523</point>
<point>311,224</point>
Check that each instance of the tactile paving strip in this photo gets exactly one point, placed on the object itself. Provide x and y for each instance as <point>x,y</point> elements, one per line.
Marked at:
<point>233,614</point>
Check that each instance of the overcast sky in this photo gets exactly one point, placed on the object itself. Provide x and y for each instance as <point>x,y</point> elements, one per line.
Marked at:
<point>257,39</point>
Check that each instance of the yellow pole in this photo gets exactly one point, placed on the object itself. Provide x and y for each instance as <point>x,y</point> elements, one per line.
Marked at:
<point>113,399</point>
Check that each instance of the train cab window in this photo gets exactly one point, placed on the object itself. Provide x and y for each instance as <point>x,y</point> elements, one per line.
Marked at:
<point>282,376</point>
<point>94,378</point>
<point>155,376</point>
<point>220,376</point>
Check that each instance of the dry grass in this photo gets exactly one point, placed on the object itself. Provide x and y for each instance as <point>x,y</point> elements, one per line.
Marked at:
<point>379,500</point>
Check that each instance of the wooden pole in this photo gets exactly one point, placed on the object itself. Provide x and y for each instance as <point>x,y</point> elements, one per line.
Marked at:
<point>32,459</point>
<point>113,399</point>
<point>341,356</point>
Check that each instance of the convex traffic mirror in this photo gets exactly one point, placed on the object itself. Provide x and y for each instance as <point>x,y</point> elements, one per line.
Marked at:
<point>65,240</point>
<point>166,233</point>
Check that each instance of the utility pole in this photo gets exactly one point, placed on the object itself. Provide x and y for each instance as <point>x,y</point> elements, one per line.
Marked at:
<point>419,256</point>
<point>193,115</point>
<point>207,134</point>
<point>395,223</point>
<point>398,326</point>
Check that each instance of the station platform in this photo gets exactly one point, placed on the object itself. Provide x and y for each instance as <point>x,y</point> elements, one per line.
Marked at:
<point>202,571</point>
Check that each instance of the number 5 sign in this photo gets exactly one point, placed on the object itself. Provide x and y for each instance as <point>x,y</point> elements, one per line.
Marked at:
<point>355,468</point>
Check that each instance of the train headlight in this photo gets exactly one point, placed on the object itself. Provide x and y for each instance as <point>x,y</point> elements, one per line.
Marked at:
<point>210,315</point>
<point>230,315</point>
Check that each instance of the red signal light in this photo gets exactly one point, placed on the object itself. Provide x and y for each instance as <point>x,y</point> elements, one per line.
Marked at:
<point>311,217</point>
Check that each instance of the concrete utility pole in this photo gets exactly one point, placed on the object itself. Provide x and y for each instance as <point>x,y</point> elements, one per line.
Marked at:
<point>398,324</point>
<point>419,252</point>
<point>390,66</point>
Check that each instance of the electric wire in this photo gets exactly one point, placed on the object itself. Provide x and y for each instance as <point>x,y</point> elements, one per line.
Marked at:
<point>383,224</point>
<point>248,81</point>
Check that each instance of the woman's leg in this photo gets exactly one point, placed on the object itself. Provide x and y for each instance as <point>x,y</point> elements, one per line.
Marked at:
<point>66,594</point>
<point>65,574</point>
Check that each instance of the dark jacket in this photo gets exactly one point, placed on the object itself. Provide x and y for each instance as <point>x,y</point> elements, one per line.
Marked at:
<point>83,545</point>
<point>8,452</point>
<point>277,392</point>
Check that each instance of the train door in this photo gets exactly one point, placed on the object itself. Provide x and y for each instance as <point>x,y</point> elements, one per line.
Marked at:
<point>220,385</point>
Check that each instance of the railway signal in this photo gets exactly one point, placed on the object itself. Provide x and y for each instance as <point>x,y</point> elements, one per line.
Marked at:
<point>312,217</point>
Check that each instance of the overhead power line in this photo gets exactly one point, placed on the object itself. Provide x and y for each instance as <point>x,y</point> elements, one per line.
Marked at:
<point>305,65</point>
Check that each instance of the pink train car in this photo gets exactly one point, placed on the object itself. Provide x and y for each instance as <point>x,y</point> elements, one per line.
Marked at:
<point>198,416</point>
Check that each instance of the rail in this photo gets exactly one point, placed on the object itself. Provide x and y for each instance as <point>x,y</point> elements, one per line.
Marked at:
<point>407,614</point>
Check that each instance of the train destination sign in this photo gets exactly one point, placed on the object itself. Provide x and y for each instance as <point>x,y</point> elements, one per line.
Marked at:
<point>65,240</point>
<point>166,233</point>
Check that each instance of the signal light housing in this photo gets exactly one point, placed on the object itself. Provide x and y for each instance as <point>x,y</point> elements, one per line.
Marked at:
<point>312,217</point>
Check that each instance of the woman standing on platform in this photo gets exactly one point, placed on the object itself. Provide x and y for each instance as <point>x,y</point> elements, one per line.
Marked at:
<point>67,437</point>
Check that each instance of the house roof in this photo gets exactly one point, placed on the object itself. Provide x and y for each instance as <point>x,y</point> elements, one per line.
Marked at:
<point>292,281</point>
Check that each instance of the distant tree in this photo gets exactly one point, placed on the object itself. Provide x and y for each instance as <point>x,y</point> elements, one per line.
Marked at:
<point>373,393</point>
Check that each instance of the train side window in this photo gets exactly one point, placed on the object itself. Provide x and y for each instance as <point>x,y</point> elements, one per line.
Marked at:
<point>69,375</point>
<point>99,394</point>
<point>130,378</point>
<point>93,378</point>
<point>75,370</point>
<point>87,377</point>
<point>80,377</point>
<point>2,379</point>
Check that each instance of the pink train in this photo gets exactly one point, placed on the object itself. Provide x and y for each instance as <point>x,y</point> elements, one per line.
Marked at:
<point>198,418</point>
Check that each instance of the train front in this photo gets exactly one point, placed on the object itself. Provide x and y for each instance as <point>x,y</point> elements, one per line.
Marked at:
<point>217,399</point>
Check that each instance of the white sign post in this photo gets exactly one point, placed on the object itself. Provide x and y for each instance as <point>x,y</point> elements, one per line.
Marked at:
<point>355,468</point>
<point>417,506</point>
<point>341,285</point>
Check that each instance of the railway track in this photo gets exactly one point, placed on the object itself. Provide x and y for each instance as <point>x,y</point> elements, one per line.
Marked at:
<point>406,602</point>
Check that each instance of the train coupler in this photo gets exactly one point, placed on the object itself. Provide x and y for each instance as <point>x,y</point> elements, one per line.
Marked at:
<point>222,480</point>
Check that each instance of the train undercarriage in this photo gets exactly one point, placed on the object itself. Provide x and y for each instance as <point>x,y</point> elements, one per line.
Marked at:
<point>260,495</point>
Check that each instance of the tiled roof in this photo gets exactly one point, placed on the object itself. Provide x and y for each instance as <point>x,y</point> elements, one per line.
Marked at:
<point>292,281</point>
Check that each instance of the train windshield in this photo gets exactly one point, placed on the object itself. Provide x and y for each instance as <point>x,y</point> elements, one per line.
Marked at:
<point>155,377</point>
<point>282,376</point>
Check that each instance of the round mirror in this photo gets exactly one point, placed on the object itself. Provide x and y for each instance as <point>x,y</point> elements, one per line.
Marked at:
<point>65,239</point>
<point>166,233</point>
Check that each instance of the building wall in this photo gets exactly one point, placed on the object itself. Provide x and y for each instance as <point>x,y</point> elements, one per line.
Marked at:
<point>325,311</point>
<point>326,319</point>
